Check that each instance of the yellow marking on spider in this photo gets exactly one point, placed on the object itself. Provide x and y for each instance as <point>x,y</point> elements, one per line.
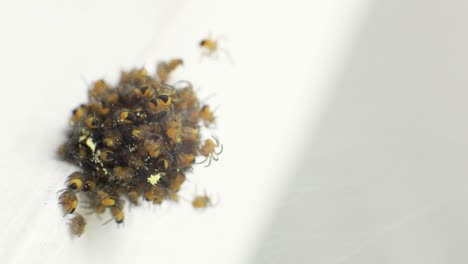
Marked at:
<point>84,135</point>
<point>153,179</point>
<point>91,144</point>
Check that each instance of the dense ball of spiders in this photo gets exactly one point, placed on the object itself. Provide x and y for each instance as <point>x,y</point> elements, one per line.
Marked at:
<point>135,139</point>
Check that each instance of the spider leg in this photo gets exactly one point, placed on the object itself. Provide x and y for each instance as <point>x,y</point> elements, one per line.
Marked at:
<point>220,151</point>
<point>201,161</point>
<point>105,223</point>
<point>209,161</point>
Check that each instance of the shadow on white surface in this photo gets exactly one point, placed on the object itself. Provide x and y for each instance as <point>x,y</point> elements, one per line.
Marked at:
<point>383,178</point>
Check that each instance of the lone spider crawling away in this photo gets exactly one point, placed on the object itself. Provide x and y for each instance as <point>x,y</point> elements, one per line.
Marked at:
<point>210,48</point>
<point>209,45</point>
<point>202,201</point>
<point>136,139</point>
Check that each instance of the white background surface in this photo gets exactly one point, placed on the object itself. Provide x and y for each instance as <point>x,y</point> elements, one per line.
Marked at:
<point>342,123</point>
<point>383,176</point>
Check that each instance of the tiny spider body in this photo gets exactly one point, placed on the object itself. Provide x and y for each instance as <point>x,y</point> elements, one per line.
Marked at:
<point>201,202</point>
<point>211,48</point>
<point>77,225</point>
<point>209,45</point>
<point>68,200</point>
<point>209,150</point>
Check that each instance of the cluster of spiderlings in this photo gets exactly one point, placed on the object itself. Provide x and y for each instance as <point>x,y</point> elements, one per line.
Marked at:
<point>137,139</point>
